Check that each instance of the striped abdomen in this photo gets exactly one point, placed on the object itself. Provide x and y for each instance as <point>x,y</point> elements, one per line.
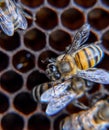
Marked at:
<point>39,89</point>
<point>88,56</point>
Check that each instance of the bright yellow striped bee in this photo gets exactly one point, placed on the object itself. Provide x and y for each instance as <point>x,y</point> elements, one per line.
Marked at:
<point>96,118</point>
<point>11,17</point>
<point>77,62</point>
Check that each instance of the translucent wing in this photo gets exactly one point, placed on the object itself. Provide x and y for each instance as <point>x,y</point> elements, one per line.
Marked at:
<point>55,91</point>
<point>95,75</point>
<point>20,6</point>
<point>22,22</point>
<point>6,24</point>
<point>17,14</point>
<point>80,38</point>
<point>58,103</point>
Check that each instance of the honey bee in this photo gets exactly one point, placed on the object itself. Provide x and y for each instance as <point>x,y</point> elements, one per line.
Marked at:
<point>78,61</point>
<point>96,118</point>
<point>64,72</point>
<point>11,17</point>
<point>63,93</point>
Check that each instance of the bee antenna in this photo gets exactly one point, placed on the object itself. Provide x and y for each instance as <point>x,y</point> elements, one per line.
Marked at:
<point>47,60</point>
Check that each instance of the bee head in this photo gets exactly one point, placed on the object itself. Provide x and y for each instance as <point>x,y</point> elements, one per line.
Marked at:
<point>53,72</point>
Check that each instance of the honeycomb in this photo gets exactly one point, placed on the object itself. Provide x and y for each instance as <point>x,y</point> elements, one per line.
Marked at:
<point>21,56</point>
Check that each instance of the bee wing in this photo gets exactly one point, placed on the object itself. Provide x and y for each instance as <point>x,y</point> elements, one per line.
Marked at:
<point>22,22</point>
<point>20,6</point>
<point>80,38</point>
<point>58,103</point>
<point>55,91</point>
<point>6,24</point>
<point>95,75</point>
<point>46,96</point>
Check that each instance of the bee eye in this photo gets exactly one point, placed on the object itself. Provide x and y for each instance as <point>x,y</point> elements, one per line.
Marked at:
<point>52,68</point>
<point>57,76</point>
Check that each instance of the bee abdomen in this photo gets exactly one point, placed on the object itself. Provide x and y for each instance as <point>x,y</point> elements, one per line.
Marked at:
<point>88,57</point>
<point>39,89</point>
<point>36,93</point>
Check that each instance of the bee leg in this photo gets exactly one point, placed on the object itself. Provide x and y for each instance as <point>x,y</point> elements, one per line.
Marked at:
<point>52,86</point>
<point>80,105</point>
<point>53,89</point>
<point>52,60</point>
<point>73,84</point>
<point>44,61</point>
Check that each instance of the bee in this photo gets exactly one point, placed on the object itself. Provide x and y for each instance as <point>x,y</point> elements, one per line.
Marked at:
<point>96,118</point>
<point>64,72</point>
<point>78,61</point>
<point>11,17</point>
<point>63,93</point>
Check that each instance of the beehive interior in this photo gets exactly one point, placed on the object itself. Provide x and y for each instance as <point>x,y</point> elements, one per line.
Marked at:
<point>21,56</point>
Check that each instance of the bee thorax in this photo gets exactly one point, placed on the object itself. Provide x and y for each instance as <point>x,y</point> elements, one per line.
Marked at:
<point>65,67</point>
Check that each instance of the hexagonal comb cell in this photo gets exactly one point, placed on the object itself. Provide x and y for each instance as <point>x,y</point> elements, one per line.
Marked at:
<point>58,3</point>
<point>32,3</point>
<point>85,4</point>
<point>10,43</point>
<point>36,78</point>
<point>24,61</point>
<point>105,2</point>
<point>46,18</point>
<point>4,61</point>
<point>4,103</point>
<point>24,103</point>
<point>11,81</point>
<point>35,39</point>
<point>72,18</point>
<point>98,18</point>
<point>12,121</point>
<point>38,122</point>
<point>59,39</point>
